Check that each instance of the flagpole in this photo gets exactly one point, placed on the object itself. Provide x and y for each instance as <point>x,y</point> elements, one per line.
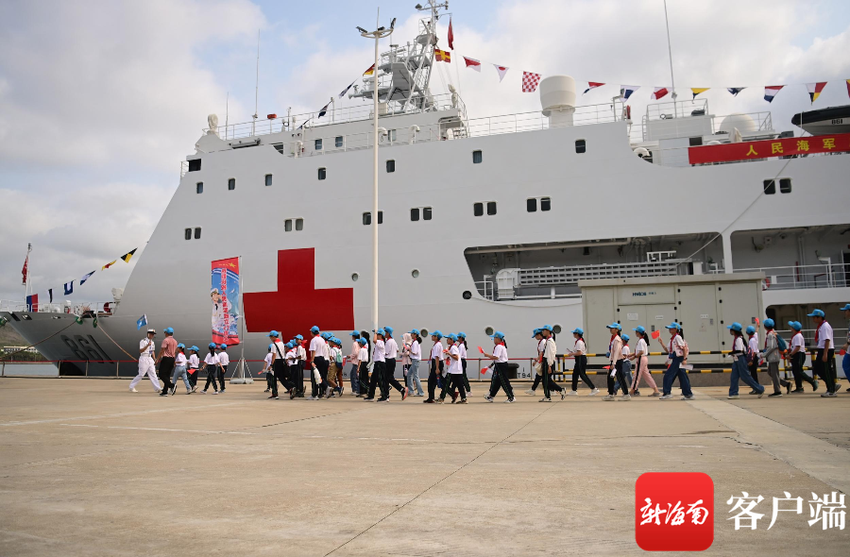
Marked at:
<point>670,54</point>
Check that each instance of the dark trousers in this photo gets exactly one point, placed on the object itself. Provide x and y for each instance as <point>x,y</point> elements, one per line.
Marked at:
<point>797,361</point>
<point>500,380</point>
<point>619,377</point>
<point>389,377</point>
<point>580,370</point>
<point>166,369</point>
<point>548,384</point>
<point>280,374</point>
<point>825,370</point>
<point>212,377</point>
<point>753,368</point>
<point>377,380</point>
<point>454,381</point>
<point>436,369</point>
<point>222,373</point>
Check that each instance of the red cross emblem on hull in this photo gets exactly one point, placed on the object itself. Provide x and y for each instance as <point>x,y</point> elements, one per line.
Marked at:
<point>298,305</point>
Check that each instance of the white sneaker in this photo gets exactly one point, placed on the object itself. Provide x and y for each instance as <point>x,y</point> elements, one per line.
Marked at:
<point>531,392</point>
<point>608,397</point>
<point>594,392</point>
<point>133,390</point>
<point>572,393</point>
<point>626,397</point>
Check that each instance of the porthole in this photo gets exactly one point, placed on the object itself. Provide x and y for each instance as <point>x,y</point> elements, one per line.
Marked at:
<point>556,329</point>
<point>467,295</point>
<point>354,277</point>
<point>414,273</point>
<point>488,331</point>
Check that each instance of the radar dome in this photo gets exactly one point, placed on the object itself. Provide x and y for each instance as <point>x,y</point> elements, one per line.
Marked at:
<point>557,92</point>
<point>743,122</point>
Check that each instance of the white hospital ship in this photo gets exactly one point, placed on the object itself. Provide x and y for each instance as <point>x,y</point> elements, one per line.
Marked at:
<point>485,224</point>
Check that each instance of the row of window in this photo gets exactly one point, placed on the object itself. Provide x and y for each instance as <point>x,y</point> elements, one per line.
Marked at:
<point>187,234</point>
<point>784,186</point>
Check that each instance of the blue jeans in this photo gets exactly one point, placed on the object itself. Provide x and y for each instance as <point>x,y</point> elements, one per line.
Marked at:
<point>413,378</point>
<point>627,371</point>
<point>675,370</point>
<point>740,371</point>
<point>180,372</point>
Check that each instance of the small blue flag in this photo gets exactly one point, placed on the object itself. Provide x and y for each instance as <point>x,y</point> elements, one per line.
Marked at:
<point>143,320</point>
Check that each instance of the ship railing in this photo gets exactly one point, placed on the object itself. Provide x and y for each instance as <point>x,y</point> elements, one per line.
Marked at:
<point>794,277</point>
<point>333,115</point>
<point>73,308</point>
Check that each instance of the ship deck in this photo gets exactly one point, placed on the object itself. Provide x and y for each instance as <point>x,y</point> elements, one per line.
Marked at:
<point>90,469</point>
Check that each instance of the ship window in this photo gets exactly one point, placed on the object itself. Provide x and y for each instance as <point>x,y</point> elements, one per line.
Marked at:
<point>194,165</point>
<point>299,224</point>
<point>391,165</point>
<point>785,185</point>
<point>478,209</point>
<point>287,225</point>
<point>414,214</point>
<point>231,184</point>
<point>268,179</point>
<point>531,204</point>
<point>476,157</point>
<point>581,146</point>
<point>187,234</point>
<point>318,145</point>
<point>338,141</point>
<point>199,187</point>
<point>426,213</point>
<point>323,173</point>
<point>491,207</point>
<point>545,204</point>
<point>769,187</point>
<point>367,218</point>
<point>198,233</point>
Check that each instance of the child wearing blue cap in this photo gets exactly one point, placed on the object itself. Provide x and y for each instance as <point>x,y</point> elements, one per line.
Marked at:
<point>798,358</point>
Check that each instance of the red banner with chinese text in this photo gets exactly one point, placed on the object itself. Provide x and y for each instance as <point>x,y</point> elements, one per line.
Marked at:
<point>769,148</point>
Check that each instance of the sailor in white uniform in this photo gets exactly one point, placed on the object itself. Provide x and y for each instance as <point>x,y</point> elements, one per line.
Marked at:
<point>146,366</point>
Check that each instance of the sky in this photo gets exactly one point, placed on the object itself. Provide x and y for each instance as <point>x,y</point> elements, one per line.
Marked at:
<point>101,100</point>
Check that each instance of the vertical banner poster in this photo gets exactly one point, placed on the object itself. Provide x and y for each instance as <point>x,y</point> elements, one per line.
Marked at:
<point>224,296</point>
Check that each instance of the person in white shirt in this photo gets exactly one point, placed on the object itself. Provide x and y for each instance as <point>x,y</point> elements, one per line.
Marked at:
<point>391,347</point>
<point>823,364</point>
<point>267,369</point>
<point>548,362</point>
<point>223,362</point>
<point>146,363</point>
<point>579,352</point>
<point>500,378</point>
<point>317,355</point>
<point>194,363</point>
<point>753,356</point>
<point>739,363</point>
<point>436,365</point>
<point>642,365</point>
<point>798,359</point>
<point>615,364</point>
<point>378,369</point>
<point>180,370</point>
<point>354,360</point>
<point>211,365</point>
<point>453,377</point>
<point>415,354</point>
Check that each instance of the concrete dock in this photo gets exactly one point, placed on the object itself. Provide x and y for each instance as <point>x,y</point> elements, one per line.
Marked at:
<point>87,468</point>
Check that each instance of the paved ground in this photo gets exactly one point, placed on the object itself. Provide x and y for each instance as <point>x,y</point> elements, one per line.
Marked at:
<point>87,468</point>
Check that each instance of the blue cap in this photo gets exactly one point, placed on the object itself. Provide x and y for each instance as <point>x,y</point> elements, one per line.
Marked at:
<point>673,325</point>
<point>212,345</point>
<point>625,337</point>
<point>437,334</point>
<point>817,313</point>
<point>361,341</point>
<point>578,331</point>
<point>751,330</point>
<point>640,329</point>
<point>547,328</point>
<point>535,332</point>
<point>461,335</point>
<point>389,330</point>
<point>299,337</point>
<point>735,327</point>
<point>846,307</point>
<point>499,335</point>
<point>796,325</point>
<point>223,347</point>
<point>181,345</point>
<point>615,326</point>
<point>274,334</point>
<point>315,330</point>
<point>168,331</point>
<point>355,334</point>
<point>452,337</point>
<point>769,323</point>
<point>195,348</point>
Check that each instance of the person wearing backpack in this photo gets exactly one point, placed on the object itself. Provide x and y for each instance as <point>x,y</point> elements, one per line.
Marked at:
<point>773,350</point>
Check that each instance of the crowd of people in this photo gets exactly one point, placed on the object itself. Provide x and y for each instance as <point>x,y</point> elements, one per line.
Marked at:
<point>322,356</point>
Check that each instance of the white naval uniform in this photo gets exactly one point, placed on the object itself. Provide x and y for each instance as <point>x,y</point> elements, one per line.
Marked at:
<point>146,366</point>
